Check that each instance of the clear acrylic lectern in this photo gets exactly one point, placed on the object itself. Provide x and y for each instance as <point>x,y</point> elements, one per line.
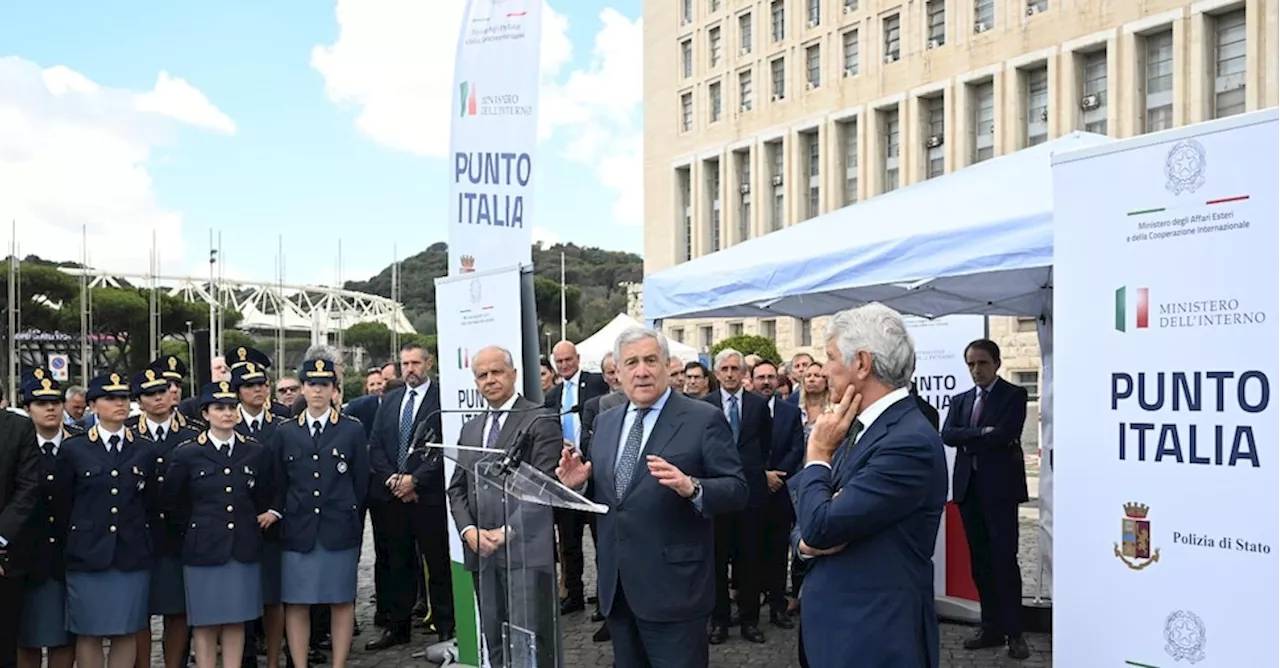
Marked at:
<point>511,504</point>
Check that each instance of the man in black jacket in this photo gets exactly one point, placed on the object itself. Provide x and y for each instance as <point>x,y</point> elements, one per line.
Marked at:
<point>19,488</point>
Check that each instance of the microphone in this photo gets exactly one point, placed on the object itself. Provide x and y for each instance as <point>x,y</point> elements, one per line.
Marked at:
<point>424,434</point>
<point>512,458</point>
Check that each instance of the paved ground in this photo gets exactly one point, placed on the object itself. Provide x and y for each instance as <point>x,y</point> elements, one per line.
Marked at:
<point>777,652</point>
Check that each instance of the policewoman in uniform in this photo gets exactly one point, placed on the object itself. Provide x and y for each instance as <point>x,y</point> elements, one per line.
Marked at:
<point>103,478</point>
<point>221,482</point>
<point>243,355</point>
<point>160,422</point>
<point>44,605</point>
<point>174,370</point>
<point>325,460</point>
<point>255,420</point>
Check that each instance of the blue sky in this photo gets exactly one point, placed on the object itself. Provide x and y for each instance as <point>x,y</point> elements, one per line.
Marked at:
<point>315,120</point>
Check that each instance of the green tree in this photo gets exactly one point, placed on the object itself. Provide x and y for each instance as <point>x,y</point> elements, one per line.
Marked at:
<point>374,337</point>
<point>546,295</point>
<point>749,344</point>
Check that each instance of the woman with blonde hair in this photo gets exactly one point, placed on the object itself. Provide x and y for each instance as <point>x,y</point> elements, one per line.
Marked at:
<point>815,398</point>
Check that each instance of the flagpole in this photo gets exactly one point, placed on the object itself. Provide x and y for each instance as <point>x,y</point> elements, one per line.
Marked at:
<point>563,311</point>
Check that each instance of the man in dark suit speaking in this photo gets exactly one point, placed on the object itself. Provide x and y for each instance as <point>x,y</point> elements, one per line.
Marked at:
<point>990,481</point>
<point>868,504</point>
<point>665,465</point>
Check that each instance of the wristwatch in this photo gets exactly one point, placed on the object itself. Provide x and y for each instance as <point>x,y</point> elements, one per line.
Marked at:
<point>697,487</point>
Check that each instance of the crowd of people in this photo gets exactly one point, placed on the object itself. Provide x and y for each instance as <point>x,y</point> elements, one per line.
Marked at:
<point>812,488</point>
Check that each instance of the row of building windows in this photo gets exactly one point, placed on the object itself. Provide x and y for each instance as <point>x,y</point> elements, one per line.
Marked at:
<point>984,17</point>
<point>1227,78</point>
<point>979,100</point>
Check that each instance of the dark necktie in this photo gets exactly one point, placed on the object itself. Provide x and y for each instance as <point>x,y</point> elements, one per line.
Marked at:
<point>630,453</point>
<point>47,448</point>
<point>845,447</point>
<point>978,406</point>
<point>495,430</point>
<point>735,417</point>
<point>255,427</point>
<point>406,429</point>
<point>159,436</point>
<point>316,427</point>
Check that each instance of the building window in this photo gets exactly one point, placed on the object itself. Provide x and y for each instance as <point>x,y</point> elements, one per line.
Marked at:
<point>744,191</point>
<point>850,46</point>
<point>1159,81</point>
<point>813,156</point>
<point>715,97</point>
<point>677,333</point>
<point>686,112</point>
<point>705,333</point>
<point>769,329</point>
<point>686,58</point>
<point>984,15</point>
<point>1229,70</point>
<point>713,41</point>
<point>815,13</point>
<point>686,12</point>
<point>890,120</point>
<point>1030,381</point>
<point>934,152</point>
<point>1037,6</point>
<point>936,10</point>
<point>1037,100</point>
<point>773,151</point>
<point>1026,324</point>
<point>778,71</point>
<point>713,186</point>
<point>813,67</point>
<point>744,34</point>
<point>805,327</point>
<point>892,37</point>
<point>715,6</point>
<point>744,90</point>
<point>983,112</point>
<point>686,211</point>
<point>735,329</point>
<point>1094,104</point>
<point>849,140</point>
<point>850,6</point>
<point>777,20</point>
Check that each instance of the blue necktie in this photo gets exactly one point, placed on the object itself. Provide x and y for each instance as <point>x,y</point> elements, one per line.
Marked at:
<point>735,418</point>
<point>406,429</point>
<point>566,421</point>
<point>495,429</point>
<point>630,453</point>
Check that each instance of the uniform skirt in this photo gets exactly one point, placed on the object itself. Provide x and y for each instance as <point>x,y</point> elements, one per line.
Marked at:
<point>319,577</point>
<point>168,590</point>
<point>229,593</point>
<point>271,556</point>
<point>44,615</point>
<point>126,594</point>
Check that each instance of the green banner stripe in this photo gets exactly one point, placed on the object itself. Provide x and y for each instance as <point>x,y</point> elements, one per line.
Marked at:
<point>464,614</point>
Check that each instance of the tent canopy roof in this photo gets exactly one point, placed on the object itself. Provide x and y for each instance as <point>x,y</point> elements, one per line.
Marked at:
<point>930,248</point>
<point>592,349</point>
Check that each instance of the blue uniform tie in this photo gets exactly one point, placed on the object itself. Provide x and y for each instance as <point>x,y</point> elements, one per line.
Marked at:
<point>406,429</point>
<point>566,421</point>
<point>630,453</point>
<point>735,418</point>
<point>495,429</point>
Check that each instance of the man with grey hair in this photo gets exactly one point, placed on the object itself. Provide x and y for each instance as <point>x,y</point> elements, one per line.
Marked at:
<point>868,504</point>
<point>665,465</point>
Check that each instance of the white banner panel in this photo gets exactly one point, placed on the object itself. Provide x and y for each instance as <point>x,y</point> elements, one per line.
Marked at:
<point>940,374</point>
<point>472,311</point>
<point>1165,354</point>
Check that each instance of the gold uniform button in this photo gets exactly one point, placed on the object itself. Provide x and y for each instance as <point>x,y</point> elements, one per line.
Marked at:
<point>230,508</point>
<point>316,493</point>
<point>112,528</point>
<point>228,490</point>
<point>49,477</point>
<point>316,475</point>
<point>159,460</point>
<point>114,510</point>
<point>51,519</point>
<point>315,458</point>
<point>226,471</point>
<point>115,474</point>
<point>317,511</point>
<point>52,539</point>
<point>161,515</point>
<point>231,525</point>
<point>160,479</point>
<point>114,491</point>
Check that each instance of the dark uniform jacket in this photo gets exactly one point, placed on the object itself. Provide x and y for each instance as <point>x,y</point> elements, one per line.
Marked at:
<point>46,535</point>
<point>166,527</point>
<point>107,497</point>
<point>221,496</point>
<point>325,481</point>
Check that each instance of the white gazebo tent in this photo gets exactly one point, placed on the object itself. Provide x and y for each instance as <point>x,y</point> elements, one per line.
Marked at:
<point>592,350</point>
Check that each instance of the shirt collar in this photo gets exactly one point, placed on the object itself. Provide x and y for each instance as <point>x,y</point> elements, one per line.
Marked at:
<point>418,391</point>
<point>167,425</point>
<point>574,378</point>
<point>657,405</point>
<point>324,419</point>
<point>56,440</point>
<point>978,388</point>
<point>506,405</point>
<point>252,418</point>
<point>725,394</point>
<point>219,444</point>
<point>871,413</point>
<point>106,435</point>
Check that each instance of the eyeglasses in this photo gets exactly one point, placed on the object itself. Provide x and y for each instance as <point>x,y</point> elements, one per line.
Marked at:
<point>290,388</point>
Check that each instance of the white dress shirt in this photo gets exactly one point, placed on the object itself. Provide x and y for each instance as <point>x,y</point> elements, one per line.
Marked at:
<point>106,436</point>
<point>418,392</point>
<point>254,422</point>
<point>870,414</point>
<point>489,425</point>
<point>323,418</point>
<point>167,425</point>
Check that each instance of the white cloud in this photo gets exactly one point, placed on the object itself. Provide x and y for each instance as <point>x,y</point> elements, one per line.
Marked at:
<point>544,236</point>
<point>393,61</point>
<point>74,153</point>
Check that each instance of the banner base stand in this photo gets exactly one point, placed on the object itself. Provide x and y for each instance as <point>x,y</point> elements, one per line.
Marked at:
<point>1037,615</point>
<point>953,609</point>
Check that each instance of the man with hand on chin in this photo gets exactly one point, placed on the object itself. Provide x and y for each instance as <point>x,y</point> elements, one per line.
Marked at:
<point>868,504</point>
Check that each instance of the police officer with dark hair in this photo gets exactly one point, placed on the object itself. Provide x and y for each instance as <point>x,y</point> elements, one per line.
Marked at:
<point>166,428</point>
<point>242,355</point>
<point>44,612</point>
<point>104,479</point>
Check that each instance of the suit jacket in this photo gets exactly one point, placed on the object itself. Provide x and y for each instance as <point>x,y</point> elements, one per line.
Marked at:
<point>221,497</point>
<point>1001,470</point>
<point>324,483</point>
<point>658,546</point>
<point>930,413</point>
<point>365,409</point>
<point>755,440</point>
<point>592,408</point>
<point>384,447</point>
<point>20,475</point>
<point>479,503</point>
<point>590,386</point>
<point>786,450</point>
<point>105,499</point>
<point>871,604</point>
